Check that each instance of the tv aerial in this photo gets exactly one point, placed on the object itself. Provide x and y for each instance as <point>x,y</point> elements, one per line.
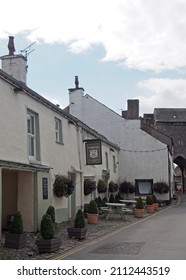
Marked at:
<point>28,50</point>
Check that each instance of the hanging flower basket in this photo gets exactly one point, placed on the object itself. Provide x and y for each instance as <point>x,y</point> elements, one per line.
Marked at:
<point>101,187</point>
<point>161,187</point>
<point>113,187</point>
<point>89,186</point>
<point>63,186</point>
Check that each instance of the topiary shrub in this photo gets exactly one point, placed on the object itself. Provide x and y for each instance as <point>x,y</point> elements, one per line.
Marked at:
<point>51,211</point>
<point>149,200</point>
<point>104,201</point>
<point>154,198</point>
<point>89,186</point>
<point>17,223</point>
<point>111,198</point>
<point>101,187</point>
<point>79,220</point>
<point>139,203</point>
<point>47,227</point>
<point>93,209</point>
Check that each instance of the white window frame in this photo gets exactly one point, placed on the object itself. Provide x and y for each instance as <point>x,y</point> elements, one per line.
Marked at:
<point>58,130</point>
<point>31,135</point>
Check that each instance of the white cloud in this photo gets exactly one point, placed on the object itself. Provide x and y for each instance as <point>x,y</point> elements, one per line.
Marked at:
<point>140,34</point>
<point>164,93</point>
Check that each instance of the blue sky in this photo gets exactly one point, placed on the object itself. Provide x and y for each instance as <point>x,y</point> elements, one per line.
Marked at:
<point>120,49</point>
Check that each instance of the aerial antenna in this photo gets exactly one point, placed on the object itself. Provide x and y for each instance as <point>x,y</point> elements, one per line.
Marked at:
<point>28,50</point>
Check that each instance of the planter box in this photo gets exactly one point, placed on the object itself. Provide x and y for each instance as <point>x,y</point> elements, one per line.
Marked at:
<point>16,241</point>
<point>48,245</point>
<point>78,233</point>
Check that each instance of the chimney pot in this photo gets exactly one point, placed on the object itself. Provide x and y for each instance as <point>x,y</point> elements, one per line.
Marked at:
<point>11,45</point>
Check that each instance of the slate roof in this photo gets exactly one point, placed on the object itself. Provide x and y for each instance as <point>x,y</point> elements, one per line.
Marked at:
<point>170,114</point>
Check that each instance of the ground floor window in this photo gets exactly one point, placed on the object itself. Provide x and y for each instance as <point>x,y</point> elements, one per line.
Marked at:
<point>144,187</point>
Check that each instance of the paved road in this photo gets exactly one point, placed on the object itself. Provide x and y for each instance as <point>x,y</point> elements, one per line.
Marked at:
<point>160,237</point>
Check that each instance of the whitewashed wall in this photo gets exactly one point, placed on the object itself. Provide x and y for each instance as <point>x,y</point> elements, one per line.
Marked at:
<point>141,155</point>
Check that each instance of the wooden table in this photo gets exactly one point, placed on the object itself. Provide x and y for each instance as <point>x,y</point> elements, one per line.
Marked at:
<point>116,208</point>
<point>130,202</point>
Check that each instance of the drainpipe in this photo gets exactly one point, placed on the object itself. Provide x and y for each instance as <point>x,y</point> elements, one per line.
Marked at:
<point>169,174</point>
<point>1,202</point>
<point>80,165</point>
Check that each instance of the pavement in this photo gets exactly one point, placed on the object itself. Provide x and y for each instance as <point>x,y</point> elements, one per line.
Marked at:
<point>100,230</point>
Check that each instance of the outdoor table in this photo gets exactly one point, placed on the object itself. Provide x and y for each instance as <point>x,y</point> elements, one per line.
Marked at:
<point>115,208</point>
<point>129,202</point>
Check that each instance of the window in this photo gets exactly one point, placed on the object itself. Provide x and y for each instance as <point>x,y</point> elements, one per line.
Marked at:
<point>114,164</point>
<point>58,130</point>
<point>144,187</point>
<point>106,160</point>
<point>33,135</point>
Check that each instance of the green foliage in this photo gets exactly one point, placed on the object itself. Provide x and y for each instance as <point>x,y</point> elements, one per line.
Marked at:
<point>17,224</point>
<point>93,209</point>
<point>139,203</point>
<point>111,198</point>
<point>161,187</point>
<point>79,220</point>
<point>102,188</point>
<point>60,187</point>
<point>51,211</point>
<point>154,198</point>
<point>149,200</point>
<point>117,199</point>
<point>47,227</point>
<point>104,201</point>
<point>126,187</point>
<point>113,187</point>
<point>89,186</point>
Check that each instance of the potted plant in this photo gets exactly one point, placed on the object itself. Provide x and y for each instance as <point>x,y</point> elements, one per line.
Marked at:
<point>149,204</point>
<point>51,211</point>
<point>113,187</point>
<point>92,215</point>
<point>101,187</point>
<point>139,208</point>
<point>126,188</point>
<point>155,201</point>
<point>161,187</point>
<point>16,238</point>
<point>89,186</point>
<point>62,186</point>
<point>48,243</point>
<point>79,230</point>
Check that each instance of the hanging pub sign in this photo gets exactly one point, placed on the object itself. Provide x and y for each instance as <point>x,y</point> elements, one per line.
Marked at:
<point>93,152</point>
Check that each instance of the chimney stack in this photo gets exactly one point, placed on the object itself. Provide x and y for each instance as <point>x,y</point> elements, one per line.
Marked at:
<point>14,65</point>
<point>132,112</point>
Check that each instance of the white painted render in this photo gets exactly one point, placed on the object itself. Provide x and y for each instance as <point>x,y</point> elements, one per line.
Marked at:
<point>63,158</point>
<point>141,155</point>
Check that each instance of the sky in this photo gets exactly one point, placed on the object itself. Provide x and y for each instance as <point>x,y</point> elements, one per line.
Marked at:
<point>119,49</point>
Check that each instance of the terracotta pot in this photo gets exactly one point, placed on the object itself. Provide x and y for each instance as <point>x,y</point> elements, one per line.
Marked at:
<point>92,218</point>
<point>155,206</point>
<point>16,241</point>
<point>139,213</point>
<point>150,208</point>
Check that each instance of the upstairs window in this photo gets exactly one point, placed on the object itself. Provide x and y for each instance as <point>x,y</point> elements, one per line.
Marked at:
<point>114,164</point>
<point>33,135</point>
<point>106,161</point>
<point>58,130</point>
